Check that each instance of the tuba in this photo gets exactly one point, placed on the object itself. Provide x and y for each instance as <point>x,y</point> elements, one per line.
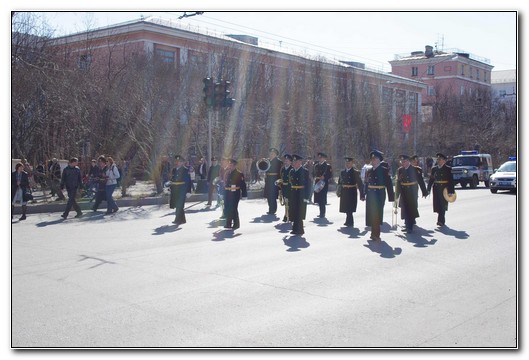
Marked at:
<point>263,165</point>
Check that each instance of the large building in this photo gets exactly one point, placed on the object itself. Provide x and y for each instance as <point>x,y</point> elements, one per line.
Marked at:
<point>504,84</point>
<point>298,102</point>
<point>445,72</point>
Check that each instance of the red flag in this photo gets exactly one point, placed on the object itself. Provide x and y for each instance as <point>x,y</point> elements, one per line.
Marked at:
<point>406,123</point>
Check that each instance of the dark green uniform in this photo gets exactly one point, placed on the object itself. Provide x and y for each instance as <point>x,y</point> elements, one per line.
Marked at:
<point>234,189</point>
<point>299,195</point>
<point>377,183</point>
<point>322,169</point>
<point>271,191</point>
<point>350,183</point>
<point>440,179</point>
<point>406,190</point>
<point>180,186</point>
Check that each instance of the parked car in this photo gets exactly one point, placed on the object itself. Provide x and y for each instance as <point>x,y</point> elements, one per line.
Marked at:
<point>470,167</point>
<point>504,178</point>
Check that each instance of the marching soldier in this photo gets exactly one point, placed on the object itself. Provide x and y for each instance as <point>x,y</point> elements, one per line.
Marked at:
<point>350,183</point>
<point>377,183</point>
<point>409,178</point>
<point>440,179</point>
<point>180,186</point>
<point>285,185</point>
<point>299,195</point>
<point>271,190</point>
<point>322,171</point>
<point>235,188</point>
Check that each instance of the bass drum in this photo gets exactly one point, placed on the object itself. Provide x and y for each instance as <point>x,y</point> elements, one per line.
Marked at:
<point>319,186</point>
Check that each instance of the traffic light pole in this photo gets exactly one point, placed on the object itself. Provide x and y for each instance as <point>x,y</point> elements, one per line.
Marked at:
<point>210,154</point>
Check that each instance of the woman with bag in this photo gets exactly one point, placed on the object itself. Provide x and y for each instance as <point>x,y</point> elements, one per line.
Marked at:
<point>19,189</point>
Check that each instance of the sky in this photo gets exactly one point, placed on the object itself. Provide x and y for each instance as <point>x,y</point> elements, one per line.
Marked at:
<point>369,37</point>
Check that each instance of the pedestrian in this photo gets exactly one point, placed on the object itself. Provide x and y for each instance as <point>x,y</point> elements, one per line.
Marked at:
<point>100,177</point>
<point>40,175</point>
<point>202,170</point>
<point>192,175</point>
<point>180,187</point>
<point>408,181</point>
<point>285,184</point>
<point>271,190</point>
<point>54,171</point>
<point>299,194</point>
<point>350,183</point>
<point>254,171</point>
<point>377,183</point>
<point>112,176</point>
<point>440,179</point>
<point>19,189</point>
<point>71,180</point>
<point>212,179</point>
<point>235,189</point>
<point>322,172</point>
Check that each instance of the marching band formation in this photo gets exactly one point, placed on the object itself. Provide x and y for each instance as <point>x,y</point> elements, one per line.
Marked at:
<point>291,183</point>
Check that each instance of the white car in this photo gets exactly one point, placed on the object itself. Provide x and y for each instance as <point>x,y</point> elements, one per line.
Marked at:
<point>504,178</point>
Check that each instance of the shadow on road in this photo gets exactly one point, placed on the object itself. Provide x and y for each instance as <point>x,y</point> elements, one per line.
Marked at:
<point>165,229</point>
<point>321,221</point>
<point>451,232</point>
<point>418,237</point>
<point>53,222</point>
<point>221,235</point>
<point>267,218</point>
<point>382,248</point>
<point>353,232</point>
<point>283,227</point>
<point>295,243</point>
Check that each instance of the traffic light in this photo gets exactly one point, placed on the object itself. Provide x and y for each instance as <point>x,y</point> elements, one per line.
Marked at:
<point>227,101</point>
<point>209,91</point>
<point>217,94</point>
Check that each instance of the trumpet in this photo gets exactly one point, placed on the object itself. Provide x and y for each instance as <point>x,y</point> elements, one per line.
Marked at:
<point>279,182</point>
<point>263,165</point>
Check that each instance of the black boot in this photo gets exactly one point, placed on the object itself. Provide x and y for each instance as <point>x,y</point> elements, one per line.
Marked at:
<point>24,209</point>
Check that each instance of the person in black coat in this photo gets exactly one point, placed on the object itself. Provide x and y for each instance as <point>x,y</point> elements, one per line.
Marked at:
<point>350,184</point>
<point>100,177</point>
<point>409,179</point>
<point>271,190</point>
<point>19,189</point>
<point>322,171</point>
<point>234,190</point>
<point>72,180</point>
<point>180,187</point>
<point>212,178</point>
<point>377,183</point>
<point>300,191</point>
<point>440,179</point>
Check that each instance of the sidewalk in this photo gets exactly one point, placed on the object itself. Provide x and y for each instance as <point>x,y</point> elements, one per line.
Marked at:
<point>141,194</point>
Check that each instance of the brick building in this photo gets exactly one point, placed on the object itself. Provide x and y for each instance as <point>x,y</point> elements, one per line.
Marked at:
<point>282,99</point>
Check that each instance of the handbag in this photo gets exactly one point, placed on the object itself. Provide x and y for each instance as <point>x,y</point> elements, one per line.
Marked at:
<point>27,197</point>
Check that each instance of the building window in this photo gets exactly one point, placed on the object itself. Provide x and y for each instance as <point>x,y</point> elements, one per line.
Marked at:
<point>477,74</point>
<point>165,56</point>
<point>85,61</point>
<point>431,70</point>
<point>462,91</point>
<point>462,70</point>
<point>414,71</point>
<point>431,91</point>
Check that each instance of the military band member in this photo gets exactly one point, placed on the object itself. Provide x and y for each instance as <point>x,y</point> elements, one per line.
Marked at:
<point>285,185</point>
<point>409,179</point>
<point>180,186</point>
<point>299,195</point>
<point>322,171</point>
<point>350,183</point>
<point>377,183</point>
<point>212,178</point>
<point>234,190</point>
<point>440,179</point>
<point>271,190</point>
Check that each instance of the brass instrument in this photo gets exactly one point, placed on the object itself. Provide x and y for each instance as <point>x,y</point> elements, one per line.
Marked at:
<point>263,165</point>
<point>216,181</point>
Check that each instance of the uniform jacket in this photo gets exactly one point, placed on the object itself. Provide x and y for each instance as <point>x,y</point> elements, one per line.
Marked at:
<point>407,188</point>
<point>284,176</point>
<point>322,169</point>
<point>180,186</point>
<point>235,186</point>
<point>351,184</point>
<point>440,179</point>
<point>271,190</point>
<point>300,190</point>
<point>378,182</point>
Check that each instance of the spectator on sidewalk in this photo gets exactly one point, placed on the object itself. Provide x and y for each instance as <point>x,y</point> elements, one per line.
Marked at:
<point>101,182</point>
<point>112,175</point>
<point>71,180</point>
<point>54,171</point>
<point>19,189</point>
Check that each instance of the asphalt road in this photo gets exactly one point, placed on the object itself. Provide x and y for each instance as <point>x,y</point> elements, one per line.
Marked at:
<point>134,279</point>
